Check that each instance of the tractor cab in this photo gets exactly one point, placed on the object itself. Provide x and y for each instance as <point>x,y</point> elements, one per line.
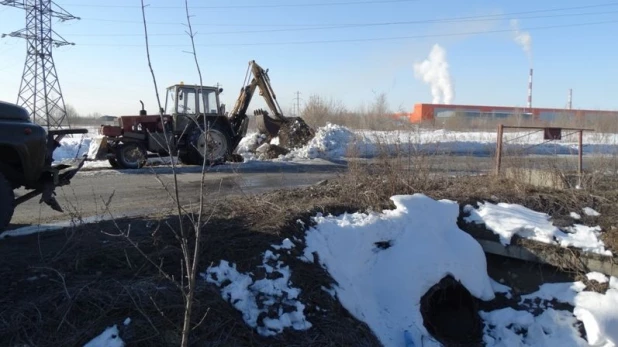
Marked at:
<point>186,103</point>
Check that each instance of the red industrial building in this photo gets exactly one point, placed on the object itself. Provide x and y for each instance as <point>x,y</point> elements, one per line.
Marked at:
<point>431,112</point>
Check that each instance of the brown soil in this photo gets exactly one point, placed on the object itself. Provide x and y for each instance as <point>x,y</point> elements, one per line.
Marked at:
<point>63,288</point>
<point>295,133</point>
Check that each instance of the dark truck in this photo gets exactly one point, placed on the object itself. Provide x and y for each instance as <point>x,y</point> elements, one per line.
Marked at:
<point>26,156</point>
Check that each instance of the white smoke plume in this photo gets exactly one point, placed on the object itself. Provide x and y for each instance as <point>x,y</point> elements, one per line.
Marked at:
<point>435,71</point>
<point>522,38</point>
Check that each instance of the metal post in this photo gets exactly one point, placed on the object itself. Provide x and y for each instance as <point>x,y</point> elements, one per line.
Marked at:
<point>499,148</point>
<point>580,164</point>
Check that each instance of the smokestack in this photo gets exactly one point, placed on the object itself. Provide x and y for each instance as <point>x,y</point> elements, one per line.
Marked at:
<point>570,102</point>
<point>530,90</point>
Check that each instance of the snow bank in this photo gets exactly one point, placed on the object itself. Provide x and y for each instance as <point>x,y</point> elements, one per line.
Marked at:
<point>333,141</point>
<point>382,285</point>
<point>506,220</point>
<point>275,296</point>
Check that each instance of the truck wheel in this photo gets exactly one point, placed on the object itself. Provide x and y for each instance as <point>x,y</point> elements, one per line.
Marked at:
<point>212,143</point>
<point>7,202</point>
<point>130,155</point>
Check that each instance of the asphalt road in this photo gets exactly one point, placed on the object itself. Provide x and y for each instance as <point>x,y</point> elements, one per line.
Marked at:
<point>142,191</point>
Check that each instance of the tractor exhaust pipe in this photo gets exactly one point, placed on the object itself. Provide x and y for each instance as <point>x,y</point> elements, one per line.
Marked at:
<point>142,112</point>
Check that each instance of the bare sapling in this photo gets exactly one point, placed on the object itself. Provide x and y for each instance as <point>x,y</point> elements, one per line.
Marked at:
<point>190,257</point>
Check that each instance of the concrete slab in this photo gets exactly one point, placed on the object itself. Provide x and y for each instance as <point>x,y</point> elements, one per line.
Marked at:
<point>576,260</point>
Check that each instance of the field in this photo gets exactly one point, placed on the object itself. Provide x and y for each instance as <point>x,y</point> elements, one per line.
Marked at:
<point>349,260</point>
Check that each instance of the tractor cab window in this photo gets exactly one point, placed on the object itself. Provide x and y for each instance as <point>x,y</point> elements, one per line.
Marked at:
<point>207,101</point>
<point>185,101</point>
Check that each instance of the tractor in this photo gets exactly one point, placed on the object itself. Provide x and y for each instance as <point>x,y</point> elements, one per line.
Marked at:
<point>193,126</point>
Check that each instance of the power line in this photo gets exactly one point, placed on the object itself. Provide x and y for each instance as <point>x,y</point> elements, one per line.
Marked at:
<point>448,19</point>
<point>347,26</point>
<point>394,38</point>
<point>320,4</point>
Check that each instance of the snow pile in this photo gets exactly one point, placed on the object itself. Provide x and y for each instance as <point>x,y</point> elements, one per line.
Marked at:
<point>72,148</point>
<point>248,144</point>
<point>385,262</point>
<point>272,295</point>
<point>506,220</point>
<point>329,142</point>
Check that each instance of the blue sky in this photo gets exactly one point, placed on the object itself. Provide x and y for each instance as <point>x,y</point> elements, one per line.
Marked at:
<point>107,72</point>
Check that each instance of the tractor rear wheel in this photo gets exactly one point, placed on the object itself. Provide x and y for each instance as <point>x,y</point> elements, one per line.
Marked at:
<point>211,144</point>
<point>7,202</point>
<point>131,155</point>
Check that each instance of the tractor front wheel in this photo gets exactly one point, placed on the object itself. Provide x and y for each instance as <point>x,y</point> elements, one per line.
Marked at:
<point>7,202</point>
<point>131,155</point>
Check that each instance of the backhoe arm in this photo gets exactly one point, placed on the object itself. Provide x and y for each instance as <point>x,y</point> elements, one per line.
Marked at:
<point>262,81</point>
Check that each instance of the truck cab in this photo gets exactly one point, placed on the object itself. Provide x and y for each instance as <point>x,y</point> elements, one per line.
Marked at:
<point>26,156</point>
<point>23,146</point>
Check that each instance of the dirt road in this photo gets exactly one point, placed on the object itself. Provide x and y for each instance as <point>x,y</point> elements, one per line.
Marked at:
<point>140,191</point>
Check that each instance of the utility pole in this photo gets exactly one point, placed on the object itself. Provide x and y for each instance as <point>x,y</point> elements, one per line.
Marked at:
<point>39,91</point>
<point>297,103</point>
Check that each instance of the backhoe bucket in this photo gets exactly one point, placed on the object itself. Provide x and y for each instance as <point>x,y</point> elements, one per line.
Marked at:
<point>268,125</point>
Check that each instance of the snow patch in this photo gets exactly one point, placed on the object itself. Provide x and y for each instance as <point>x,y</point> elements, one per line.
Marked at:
<point>551,328</point>
<point>563,292</point>
<point>272,295</point>
<point>597,276</point>
<point>575,215</point>
<point>501,288</point>
<point>383,286</point>
<point>590,212</point>
<point>598,312</point>
<point>507,220</point>
<point>285,244</point>
<point>108,338</point>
